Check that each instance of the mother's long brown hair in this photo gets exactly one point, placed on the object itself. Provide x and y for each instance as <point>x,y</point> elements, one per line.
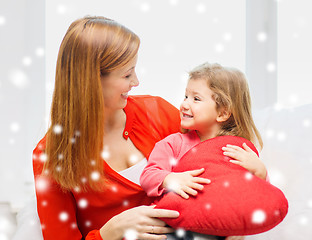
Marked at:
<point>92,47</point>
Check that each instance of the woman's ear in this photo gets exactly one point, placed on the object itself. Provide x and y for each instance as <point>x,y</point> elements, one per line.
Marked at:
<point>223,115</point>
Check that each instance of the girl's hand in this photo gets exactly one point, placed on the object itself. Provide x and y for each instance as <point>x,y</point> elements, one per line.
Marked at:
<point>246,158</point>
<point>235,238</point>
<point>185,183</point>
<point>140,223</point>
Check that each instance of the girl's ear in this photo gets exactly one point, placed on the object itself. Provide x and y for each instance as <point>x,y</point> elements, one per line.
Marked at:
<point>223,115</point>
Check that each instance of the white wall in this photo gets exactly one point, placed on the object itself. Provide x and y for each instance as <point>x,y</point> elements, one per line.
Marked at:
<point>22,94</point>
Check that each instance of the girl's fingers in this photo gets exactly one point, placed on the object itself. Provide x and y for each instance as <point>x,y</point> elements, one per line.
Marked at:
<point>183,194</point>
<point>197,172</point>
<point>197,186</point>
<point>236,162</point>
<point>201,180</point>
<point>190,191</point>
<point>248,149</point>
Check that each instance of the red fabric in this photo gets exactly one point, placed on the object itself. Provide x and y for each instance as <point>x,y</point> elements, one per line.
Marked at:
<point>235,203</point>
<point>149,119</point>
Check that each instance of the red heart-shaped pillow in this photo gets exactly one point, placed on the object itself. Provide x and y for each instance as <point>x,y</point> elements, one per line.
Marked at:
<point>235,203</point>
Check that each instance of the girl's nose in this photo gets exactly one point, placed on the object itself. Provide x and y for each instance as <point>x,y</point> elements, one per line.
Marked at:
<point>184,105</point>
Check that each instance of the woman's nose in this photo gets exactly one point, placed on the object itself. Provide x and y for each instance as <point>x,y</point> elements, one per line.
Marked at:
<point>135,81</point>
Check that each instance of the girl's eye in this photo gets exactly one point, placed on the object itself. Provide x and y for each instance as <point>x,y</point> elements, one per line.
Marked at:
<point>196,99</point>
<point>185,97</point>
<point>128,76</point>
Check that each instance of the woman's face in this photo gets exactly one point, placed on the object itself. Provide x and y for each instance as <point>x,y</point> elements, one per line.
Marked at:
<point>117,84</point>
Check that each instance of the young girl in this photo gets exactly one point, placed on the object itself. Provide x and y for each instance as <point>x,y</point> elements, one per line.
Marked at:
<point>217,102</point>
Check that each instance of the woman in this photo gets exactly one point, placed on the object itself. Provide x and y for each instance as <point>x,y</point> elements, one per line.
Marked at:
<point>93,119</point>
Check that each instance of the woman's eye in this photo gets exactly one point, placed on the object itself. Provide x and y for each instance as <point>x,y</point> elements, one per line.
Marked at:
<point>128,76</point>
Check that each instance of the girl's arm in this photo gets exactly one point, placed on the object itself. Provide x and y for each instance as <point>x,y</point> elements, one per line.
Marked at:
<point>158,177</point>
<point>185,183</point>
<point>246,158</point>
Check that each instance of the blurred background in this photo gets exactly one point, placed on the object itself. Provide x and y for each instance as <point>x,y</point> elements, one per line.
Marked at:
<point>269,40</point>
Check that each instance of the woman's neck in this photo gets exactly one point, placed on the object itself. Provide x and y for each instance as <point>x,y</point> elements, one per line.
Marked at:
<point>114,119</point>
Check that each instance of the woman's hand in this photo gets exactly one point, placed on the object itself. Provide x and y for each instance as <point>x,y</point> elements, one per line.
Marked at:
<point>140,222</point>
<point>246,158</point>
<point>185,183</point>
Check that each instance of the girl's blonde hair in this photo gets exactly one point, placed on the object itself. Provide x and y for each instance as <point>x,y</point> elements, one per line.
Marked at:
<point>92,47</point>
<point>231,94</point>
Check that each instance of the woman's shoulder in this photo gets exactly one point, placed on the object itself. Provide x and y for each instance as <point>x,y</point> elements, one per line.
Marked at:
<point>39,156</point>
<point>149,101</point>
<point>153,109</point>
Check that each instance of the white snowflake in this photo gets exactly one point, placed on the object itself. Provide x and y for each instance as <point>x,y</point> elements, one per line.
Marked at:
<point>281,136</point>
<point>18,78</point>
<point>303,220</point>
<point>114,189</point>
<point>61,9</point>
<point>15,127</point>
<point>130,234</point>
<point>173,161</point>
<point>226,184</point>
<point>27,61</point>
<point>208,206</point>
<point>73,225</point>
<point>44,203</point>
<point>63,216</point>
<point>269,133</point>
<point>2,20</point>
<point>201,8</point>
<point>133,159</point>
<point>219,47</point>
<point>88,223</point>
<point>180,232</point>
<point>271,67</point>
<point>41,184</point>
<point>227,37</point>
<point>92,162</point>
<point>58,168</point>
<point>125,203</point>
<point>57,129</point>
<point>248,176</point>
<point>173,185</point>
<point>39,52</point>
<point>173,2</point>
<point>145,7</point>
<point>60,156</point>
<point>84,180</point>
<point>43,157</point>
<point>105,153</point>
<point>95,175</point>
<point>258,216</point>
<point>82,203</point>
<point>306,122</point>
<point>262,36</point>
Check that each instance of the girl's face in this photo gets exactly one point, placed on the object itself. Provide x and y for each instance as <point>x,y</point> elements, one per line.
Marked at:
<point>117,84</point>
<point>198,110</point>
